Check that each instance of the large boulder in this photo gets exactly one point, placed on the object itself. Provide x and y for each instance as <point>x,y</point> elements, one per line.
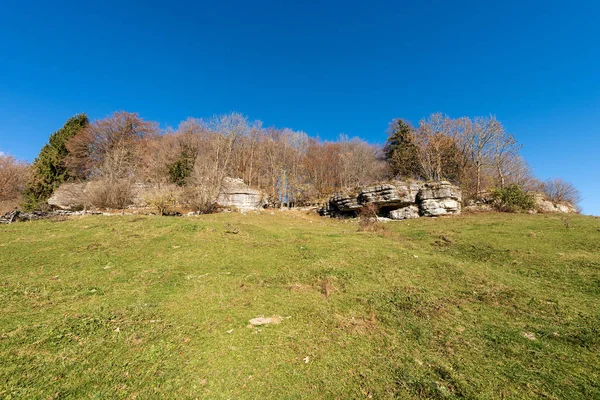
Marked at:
<point>437,207</point>
<point>409,212</point>
<point>77,196</point>
<point>235,193</point>
<point>69,196</point>
<point>439,190</point>
<point>544,205</point>
<point>439,198</point>
<point>389,195</point>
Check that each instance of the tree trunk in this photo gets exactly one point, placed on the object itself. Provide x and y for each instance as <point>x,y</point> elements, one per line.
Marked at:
<point>478,188</point>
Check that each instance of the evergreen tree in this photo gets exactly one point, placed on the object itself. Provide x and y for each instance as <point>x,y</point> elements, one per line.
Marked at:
<point>180,170</point>
<point>401,151</point>
<point>48,169</point>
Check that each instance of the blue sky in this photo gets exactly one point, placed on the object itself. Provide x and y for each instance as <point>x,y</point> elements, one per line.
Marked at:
<point>324,67</point>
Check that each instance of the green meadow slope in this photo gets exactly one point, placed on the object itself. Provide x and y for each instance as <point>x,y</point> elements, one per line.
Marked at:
<point>476,306</point>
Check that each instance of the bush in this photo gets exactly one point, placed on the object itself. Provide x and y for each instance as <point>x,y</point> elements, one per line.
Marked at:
<point>199,199</point>
<point>110,193</point>
<point>367,219</point>
<point>164,199</point>
<point>512,199</point>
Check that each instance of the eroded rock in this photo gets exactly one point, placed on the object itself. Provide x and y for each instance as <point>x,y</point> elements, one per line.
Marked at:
<point>69,196</point>
<point>344,204</point>
<point>544,205</point>
<point>235,193</point>
<point>409,212</point>
<point>439,190</point>
<point>437,207</point>
<point>399,200</point>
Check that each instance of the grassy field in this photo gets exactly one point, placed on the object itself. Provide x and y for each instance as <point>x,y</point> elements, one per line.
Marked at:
<point>476,306</point>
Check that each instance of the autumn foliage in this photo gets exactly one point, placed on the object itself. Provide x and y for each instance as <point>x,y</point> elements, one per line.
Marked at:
<point>188,164</point>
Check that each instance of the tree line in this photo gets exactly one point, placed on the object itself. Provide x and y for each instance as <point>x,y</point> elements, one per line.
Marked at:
<point>191,161</point>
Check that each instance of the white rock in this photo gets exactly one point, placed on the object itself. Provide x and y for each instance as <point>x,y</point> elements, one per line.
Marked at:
<point>409,212</point>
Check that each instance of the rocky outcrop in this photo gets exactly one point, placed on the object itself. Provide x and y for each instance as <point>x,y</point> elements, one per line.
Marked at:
<point>389,195</point>
<point>437,207</point>
<point>399,200</point>
<point>439,190</point>
<point>235,193</point>
<point>439,198</point>
<point>69,196</point>
<point>345,204</point>
<point>77,196</point>
<point>544,205</point>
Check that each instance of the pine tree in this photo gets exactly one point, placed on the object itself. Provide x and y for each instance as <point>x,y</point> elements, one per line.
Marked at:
<point>48,169</point>
<point>401,151</point>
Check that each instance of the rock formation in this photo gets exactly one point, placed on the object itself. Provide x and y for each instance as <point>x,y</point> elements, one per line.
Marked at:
<point>399,200</point>
<point>69,196</point>
<point>235,193</point>
<point>409,212</point>
<point>439,198</point>
<point>544,205</point>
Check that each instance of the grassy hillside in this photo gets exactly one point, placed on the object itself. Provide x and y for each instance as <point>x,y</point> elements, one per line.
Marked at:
<point>479,306</point>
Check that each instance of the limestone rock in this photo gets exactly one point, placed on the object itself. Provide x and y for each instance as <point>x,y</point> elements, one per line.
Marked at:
<point>409,212</point>
<point>388,195</point>
<point>439,198</point>
<point>344,204</point>
<point>437,207</point>
<point>544,205</point>
<point>439,190</point>
<point>69,196</point>
<point>410,188</point>
<point>235,193</point>
<point>399,200</point>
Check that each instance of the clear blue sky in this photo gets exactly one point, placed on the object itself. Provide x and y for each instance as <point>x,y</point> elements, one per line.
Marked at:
<point>324,67</point>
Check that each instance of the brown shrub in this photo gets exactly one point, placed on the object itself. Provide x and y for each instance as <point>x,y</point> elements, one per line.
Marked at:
<point>164,199</point>
<point>367,219</point>
<point>110,193</point>
<point>14,176</point>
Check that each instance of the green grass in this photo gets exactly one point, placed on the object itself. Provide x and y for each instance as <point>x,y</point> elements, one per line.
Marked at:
<point>476,306</point>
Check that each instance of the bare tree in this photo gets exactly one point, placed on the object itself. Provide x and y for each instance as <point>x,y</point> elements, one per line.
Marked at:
<point>109,151</point>
<point>360,163</point>
<point>437,150</point>
<point>506,160</point>
<point>14,176</point>
<point>117,137</point>
<point>482,141</point>
<point>217,138</point>
<point>561,191</point>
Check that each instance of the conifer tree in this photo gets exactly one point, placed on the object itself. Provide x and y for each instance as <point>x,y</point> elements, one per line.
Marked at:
<point>48,169</point>
<point>401,150</point>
